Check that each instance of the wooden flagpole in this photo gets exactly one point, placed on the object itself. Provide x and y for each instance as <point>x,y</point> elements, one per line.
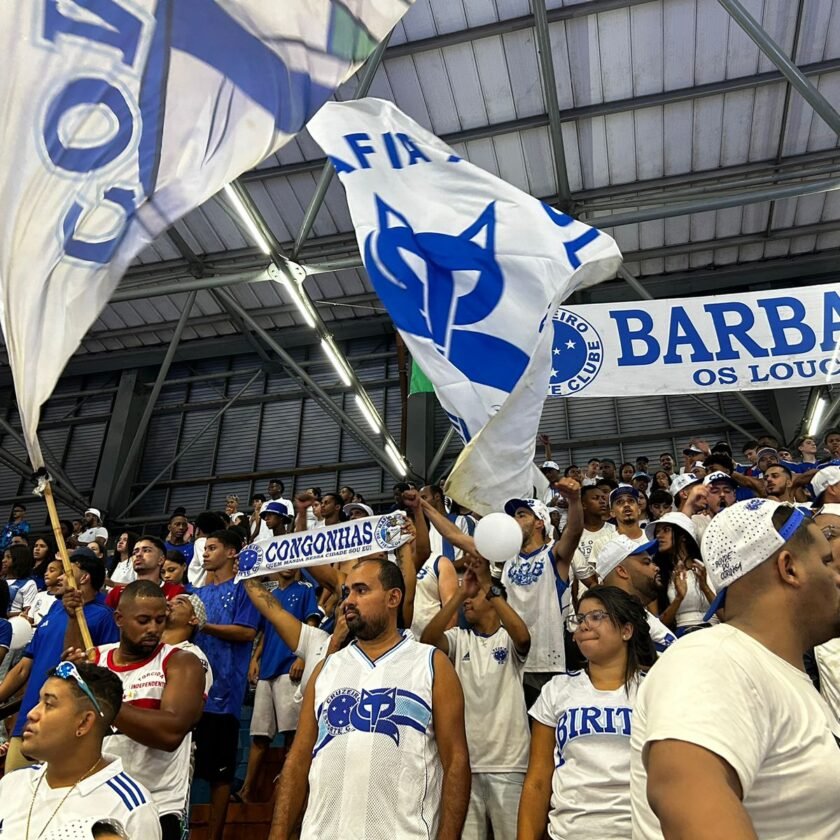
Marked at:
<point>44,489</point>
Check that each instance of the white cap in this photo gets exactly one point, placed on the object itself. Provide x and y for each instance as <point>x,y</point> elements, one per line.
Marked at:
<point>740,538</point>
<point>826,477</point>
<point>616,551</point>
<point>676,520</point>
<point>699,464</point>
<point>538,508</point>
<point>831,510</point>
<point>682,481</point>
<point>351,506</point>
<point>719,475</point>
<point>550,465</point>
<point>95,512</point>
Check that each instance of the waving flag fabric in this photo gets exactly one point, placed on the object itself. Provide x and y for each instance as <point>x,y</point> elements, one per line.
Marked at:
<point>471,270</point>
<point>119,116</point>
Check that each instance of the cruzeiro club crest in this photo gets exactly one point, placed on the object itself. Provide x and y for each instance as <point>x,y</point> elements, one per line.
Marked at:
<point>576,355</point>
<point>441,286</point>
<point>388,532</point>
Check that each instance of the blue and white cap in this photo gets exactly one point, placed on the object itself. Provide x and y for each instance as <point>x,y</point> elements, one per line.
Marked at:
<point>617,550</point>
<point>740,538</point>
<point>280,508</point>
<point>623,490</point>
<point>682,481</point>
<point>538,508</point>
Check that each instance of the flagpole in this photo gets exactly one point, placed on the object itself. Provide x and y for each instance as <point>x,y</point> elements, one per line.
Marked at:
<point>44,489</point>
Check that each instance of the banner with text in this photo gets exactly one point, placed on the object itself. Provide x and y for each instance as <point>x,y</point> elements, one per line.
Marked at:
<point>777,339</point>
<point>346,541</point>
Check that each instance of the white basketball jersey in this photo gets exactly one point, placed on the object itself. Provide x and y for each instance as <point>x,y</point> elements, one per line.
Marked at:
<point>165,774</point>
<point>540,597</point>
<point>426,596</point>
<point>375,773</point>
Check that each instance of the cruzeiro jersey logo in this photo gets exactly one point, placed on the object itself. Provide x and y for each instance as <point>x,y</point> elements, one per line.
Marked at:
<point>577,354</point>
<point>442,286</point>
<point>381,711</point>
<point>388,532</point>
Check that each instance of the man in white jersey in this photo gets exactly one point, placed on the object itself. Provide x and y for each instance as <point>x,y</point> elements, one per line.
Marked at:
<point>729,737</point>
<point>65,730</point>
<point>537,579</point>
<point>438,543</point>
<point>380,742</point>
<point>596,532</point>
<point>626,564</point>
<point>163,695</point>
<point>827,656</point>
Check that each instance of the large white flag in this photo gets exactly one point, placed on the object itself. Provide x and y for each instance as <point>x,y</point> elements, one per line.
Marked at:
<point>471,270</point>
<point>119,116</point>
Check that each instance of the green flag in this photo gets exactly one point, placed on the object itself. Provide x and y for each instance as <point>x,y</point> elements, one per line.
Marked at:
<point>420,383</point>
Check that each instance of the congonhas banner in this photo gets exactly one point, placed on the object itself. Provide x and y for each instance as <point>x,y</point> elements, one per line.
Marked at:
<point>777,339</point>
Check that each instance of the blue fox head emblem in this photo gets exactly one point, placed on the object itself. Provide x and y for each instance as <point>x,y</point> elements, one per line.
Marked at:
<point>435,284</point>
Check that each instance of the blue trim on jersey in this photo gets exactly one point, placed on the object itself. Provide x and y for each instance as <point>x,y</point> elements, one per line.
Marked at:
<point>132,784</point>
<point>120,793</point>
<point>436,566</point>
<point>355,646</point>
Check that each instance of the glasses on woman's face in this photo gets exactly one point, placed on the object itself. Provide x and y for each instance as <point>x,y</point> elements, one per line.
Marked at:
<point>591,619</point>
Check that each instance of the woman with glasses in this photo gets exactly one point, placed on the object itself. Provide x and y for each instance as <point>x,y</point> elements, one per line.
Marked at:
<point>578,780</point>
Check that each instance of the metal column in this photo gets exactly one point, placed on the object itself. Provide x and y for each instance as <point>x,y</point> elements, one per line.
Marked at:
<point>552,105</point>
<point>790,71</point>
<point>190,443</point>
<point>130,462</point>
<point>368,73</point>
<point>420,433</point>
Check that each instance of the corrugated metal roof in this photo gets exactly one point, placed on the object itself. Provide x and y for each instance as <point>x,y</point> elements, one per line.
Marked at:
<point>666,89</point>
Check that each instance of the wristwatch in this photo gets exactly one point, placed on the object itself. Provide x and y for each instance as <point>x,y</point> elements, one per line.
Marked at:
<point>497,590</point>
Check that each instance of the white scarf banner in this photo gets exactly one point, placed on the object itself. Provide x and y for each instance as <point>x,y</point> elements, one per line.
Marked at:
<point>777,339</point>
<point>120,116</point>
<point>470,269</point>
<point>346,541</point>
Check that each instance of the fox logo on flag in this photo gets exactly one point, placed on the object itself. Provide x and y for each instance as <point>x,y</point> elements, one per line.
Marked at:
<point>471,270</point>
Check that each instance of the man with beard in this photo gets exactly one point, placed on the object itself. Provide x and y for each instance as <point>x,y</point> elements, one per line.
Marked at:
<point>666,463</point>
<point>628,565</point>
<point>381,744</point>
<point>149,556</point>
<point>778,483</point>
<point>608,469</point>
<point>163,695</point>
<point>704,761</point>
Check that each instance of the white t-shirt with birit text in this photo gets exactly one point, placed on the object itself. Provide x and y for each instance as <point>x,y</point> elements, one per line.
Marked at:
<point>590,787</point>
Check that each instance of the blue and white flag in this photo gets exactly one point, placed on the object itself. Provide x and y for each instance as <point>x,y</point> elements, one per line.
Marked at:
<point>345,541</point>
<point>119,116</point>
<point>471,270</point>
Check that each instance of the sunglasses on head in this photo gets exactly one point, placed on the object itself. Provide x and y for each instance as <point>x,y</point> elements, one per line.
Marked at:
<point>67,671</point>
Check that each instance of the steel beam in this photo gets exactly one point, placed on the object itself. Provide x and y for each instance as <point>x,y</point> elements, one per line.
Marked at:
<point>315,390</point>
<point>141,291</point>
<point>326,176</point>
<point>440,452</point>
<point>721,415</point>
<point>598,109</point>
<point>552,105</point>
<point>192,442</point>
<point>139,438</point>
<point>643,293</point>
<point>24,470</point>
<point>791,72</point>
<point>53,467</point>
<point>701,205</point>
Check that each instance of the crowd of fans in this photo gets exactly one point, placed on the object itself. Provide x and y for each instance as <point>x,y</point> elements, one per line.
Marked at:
<point>663,630</point>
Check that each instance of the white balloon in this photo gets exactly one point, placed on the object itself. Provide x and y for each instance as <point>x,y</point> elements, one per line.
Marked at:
<point>498,537</point>
<point>22,632</point>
